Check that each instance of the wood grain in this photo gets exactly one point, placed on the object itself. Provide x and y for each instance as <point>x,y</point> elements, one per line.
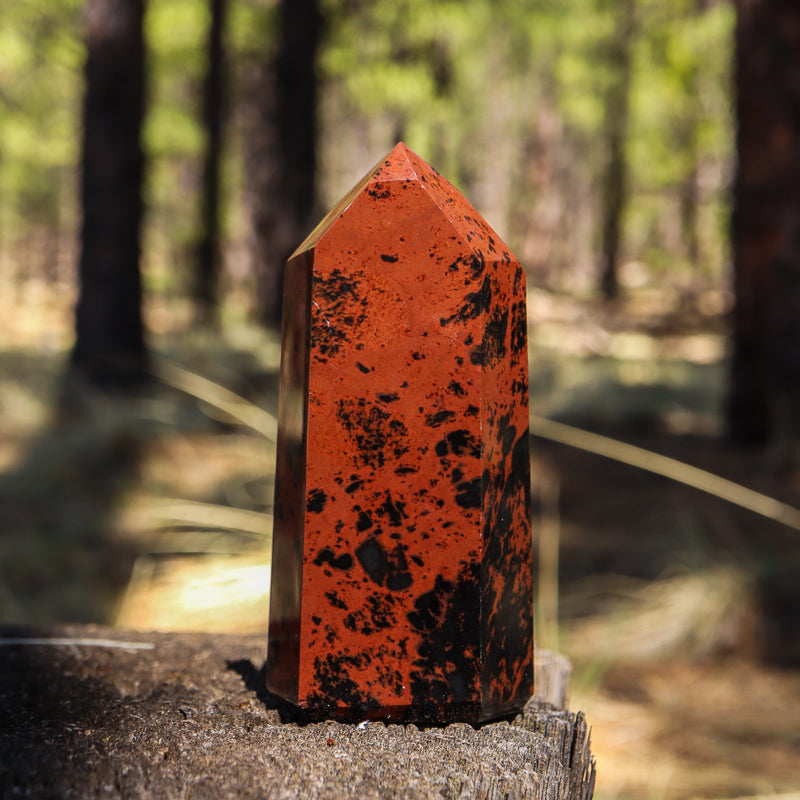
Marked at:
<point>190,718</point>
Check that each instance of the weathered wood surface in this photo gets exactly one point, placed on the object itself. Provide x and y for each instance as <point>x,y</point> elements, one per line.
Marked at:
<point>553,673</point>
<point>188,718</point>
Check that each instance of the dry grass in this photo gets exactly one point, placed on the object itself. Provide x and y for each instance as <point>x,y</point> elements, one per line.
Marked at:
<point>680,729</point>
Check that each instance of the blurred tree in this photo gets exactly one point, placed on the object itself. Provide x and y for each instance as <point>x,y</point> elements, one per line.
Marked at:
<point>681,141</point>
<point>281,163</point>
<point>764,401</point>
<point>214,97</point>
<point>109,349</point>
<point>175,145</point>
<point>687,136</point>
<point>384,61</point>
<point>615,179</point>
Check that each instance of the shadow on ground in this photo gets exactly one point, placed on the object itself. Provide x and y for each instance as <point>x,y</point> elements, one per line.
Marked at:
<point>66,551</point>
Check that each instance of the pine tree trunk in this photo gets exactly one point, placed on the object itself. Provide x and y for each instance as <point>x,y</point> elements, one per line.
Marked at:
<point>689,209</point>
<point>209,247</point>
<point>764,400</point>
<point>281,166</point>
<point>615,182</point>
<point>110,351</point>
<point>690,193</point>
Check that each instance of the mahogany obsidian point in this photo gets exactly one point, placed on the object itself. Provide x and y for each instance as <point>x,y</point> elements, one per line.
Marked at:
<point>402,563</point>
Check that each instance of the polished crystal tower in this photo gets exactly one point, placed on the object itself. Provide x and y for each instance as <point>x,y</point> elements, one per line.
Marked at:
<point>402,559</point>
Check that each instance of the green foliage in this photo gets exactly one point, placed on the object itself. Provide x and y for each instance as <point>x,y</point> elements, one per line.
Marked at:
<point>465,82</point>
<point>175,32</point>
<point>40,62</point>
<point>429,67</point>
<point>680,95</point>
<point>455,76</point>
<point>251,31</point>
<point>681,119</point>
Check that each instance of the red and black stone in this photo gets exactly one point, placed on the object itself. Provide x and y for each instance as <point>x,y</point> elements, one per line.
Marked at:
<point>402,561</point>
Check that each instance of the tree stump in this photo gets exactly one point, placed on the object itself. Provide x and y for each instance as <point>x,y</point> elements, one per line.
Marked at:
<point>96,712</point>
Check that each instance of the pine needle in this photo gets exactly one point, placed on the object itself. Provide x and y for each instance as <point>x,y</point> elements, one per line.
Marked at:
<point>55,642</point>
<point>667,467</point>
<point>225,400</point>
<point>208,515</point>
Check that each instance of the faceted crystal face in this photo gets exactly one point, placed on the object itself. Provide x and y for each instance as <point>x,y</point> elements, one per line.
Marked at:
<point>401,573</point>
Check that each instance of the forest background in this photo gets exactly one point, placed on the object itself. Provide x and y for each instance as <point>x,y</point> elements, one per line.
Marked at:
<point>597,137</point>
<point>526,106</point>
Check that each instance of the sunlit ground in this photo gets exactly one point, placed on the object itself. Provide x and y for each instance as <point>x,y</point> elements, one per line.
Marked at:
<point>155,514</point>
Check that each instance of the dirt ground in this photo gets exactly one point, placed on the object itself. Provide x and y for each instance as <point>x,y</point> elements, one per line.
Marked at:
<point>680,611</point>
